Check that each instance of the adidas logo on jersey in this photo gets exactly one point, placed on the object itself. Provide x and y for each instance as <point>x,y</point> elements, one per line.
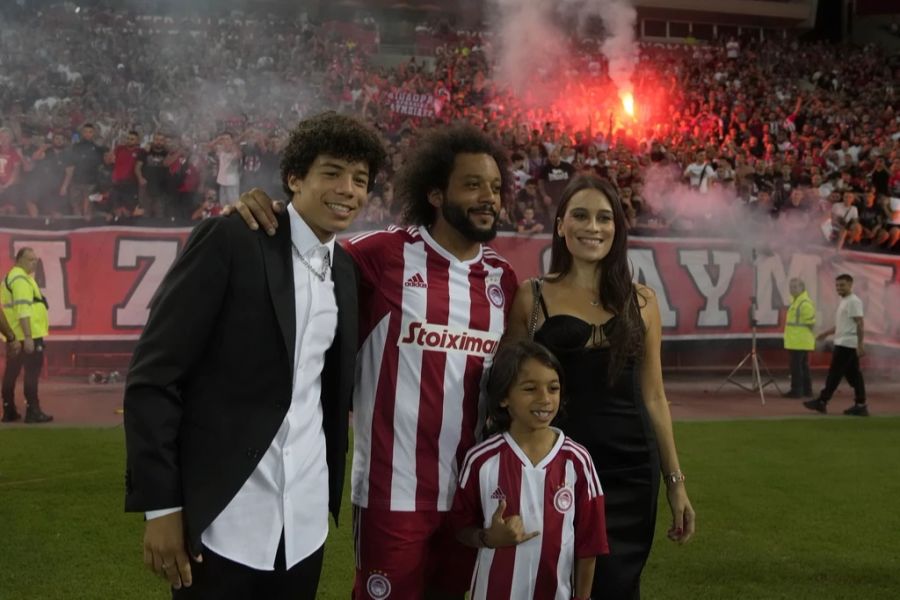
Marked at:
<point>416,281</point>
<point>498,494</point>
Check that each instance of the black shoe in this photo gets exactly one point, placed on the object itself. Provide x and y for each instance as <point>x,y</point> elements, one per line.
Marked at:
<point>794,395</point>
<point>817,405</point>
<point>37,416</point>
<point>10,415</point>
<point>858,410</point>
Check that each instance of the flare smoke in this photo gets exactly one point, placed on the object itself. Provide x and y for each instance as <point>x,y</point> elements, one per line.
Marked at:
<point>531,42</point>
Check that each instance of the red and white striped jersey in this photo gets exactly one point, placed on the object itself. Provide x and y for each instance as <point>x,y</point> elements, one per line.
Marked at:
<point>560,497</point>
<point>429,325</point>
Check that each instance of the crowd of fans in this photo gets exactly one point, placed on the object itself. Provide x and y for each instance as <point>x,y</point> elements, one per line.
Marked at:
<point>115,116</point>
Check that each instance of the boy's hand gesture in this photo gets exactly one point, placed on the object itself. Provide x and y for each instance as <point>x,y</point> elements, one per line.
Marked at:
<point>509,531</point>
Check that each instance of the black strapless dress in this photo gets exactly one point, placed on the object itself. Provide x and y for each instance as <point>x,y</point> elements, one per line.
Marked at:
<point>611,421</point>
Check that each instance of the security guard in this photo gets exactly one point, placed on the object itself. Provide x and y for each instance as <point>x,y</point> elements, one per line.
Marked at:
<point>799,339</point>
<point>12,348</point>
<point>26,310</point>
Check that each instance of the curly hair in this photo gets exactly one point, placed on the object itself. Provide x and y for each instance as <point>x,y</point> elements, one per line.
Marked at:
<point>335,135</point>
<point>618,293</point>
<point>430,163</point>
<point>504,374</point>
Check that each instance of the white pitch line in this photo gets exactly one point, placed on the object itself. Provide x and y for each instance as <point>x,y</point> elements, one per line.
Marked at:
<point>42,479</point>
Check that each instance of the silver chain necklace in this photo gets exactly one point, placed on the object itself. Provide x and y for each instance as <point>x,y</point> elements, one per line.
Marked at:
<point>320,275</point>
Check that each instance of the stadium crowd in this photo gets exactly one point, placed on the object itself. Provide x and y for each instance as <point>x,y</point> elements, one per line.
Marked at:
<point>116,116</point>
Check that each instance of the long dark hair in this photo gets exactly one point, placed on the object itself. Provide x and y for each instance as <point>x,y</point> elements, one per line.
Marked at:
<point>504,374</point>
<point>617,293</point>
<point>430,162</point>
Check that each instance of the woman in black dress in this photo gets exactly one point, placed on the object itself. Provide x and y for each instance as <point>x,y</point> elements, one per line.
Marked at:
<point>606,332</point>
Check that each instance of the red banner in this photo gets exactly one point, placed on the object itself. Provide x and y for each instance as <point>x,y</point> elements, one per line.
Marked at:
<point>99,281</point>
<point>705,286</point>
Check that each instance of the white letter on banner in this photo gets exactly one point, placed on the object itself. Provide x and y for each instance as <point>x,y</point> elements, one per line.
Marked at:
<point>546,254</point>
<point>771,277</point>
<point>135,309</point>
<point>52,254</point>
<point>696,262</point>
<point>643,268</point>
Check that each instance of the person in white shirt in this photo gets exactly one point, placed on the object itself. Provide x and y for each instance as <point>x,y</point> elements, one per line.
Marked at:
<point>238,395</point>
<point>519,170</point>
<point>732,49</point>
<point>848,334</point>
<point>228,176</point>
<point>699,173</point>
<point>844,223</point>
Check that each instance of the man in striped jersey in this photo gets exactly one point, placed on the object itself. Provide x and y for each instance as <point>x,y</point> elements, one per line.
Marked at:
<point>433,303</point>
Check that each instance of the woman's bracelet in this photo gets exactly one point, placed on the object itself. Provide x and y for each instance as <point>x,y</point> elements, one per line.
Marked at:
<point>673,478</point>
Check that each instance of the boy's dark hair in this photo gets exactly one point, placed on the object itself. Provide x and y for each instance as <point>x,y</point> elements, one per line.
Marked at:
<point>844,277</point>
<point>429,167</point>
<point>338,136</point>
<point>504,374</point>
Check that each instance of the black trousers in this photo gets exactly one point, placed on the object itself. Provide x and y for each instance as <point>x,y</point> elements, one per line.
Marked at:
<point>844,364</point>
<point>124,195</point>
<point>33,364</point>
<point>218,578</point>
<point>801,380</point>
<point>183,205</point>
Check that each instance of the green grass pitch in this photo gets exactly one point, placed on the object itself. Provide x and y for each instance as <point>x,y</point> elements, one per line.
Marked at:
<point>792,509</point>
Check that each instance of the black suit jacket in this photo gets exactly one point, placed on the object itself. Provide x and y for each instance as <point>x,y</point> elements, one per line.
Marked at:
<point>210,380</point>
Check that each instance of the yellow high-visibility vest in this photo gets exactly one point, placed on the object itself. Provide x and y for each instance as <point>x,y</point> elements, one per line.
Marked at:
<point>21,297</point>
<point>799,322</point>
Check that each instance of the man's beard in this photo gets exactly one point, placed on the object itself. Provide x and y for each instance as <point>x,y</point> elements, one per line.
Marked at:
<point>459,220</point>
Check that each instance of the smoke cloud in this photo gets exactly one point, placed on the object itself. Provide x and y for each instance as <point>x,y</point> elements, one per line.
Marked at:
<point>530,46</point>
<point>189,72</point>
<point>722,211</point>
<point>533,37</point>
<point>619,48</point>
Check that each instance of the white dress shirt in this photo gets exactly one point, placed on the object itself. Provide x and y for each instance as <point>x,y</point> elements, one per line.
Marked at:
<point>288,490</point>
